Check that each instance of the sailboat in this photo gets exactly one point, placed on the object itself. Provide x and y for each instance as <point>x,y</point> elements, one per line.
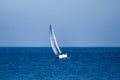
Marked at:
<point>55,46</point>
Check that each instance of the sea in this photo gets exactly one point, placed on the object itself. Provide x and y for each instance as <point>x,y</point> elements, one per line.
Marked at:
<point>40,63</point>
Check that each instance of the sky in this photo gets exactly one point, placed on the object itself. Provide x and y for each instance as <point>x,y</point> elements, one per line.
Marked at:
<point>76,23</point>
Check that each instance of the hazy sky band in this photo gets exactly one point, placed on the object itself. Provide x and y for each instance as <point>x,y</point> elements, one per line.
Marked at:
<point>76,23</point>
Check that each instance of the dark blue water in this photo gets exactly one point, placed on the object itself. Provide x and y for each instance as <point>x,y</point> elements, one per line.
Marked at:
<point>41,64</point>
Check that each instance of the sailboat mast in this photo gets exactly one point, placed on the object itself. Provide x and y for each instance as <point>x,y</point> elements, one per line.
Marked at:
<point>53,41</point>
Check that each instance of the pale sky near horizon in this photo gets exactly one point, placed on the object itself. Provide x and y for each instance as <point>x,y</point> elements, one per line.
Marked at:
<point>75,22</point>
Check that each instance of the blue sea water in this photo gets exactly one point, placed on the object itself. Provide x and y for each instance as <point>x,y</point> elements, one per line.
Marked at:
<point>40,63</point>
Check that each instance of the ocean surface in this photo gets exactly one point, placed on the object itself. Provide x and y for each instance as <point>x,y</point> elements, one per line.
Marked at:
<point>40,63</point>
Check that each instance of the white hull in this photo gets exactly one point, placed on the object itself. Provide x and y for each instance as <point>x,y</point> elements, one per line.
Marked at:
<point>61,56</point>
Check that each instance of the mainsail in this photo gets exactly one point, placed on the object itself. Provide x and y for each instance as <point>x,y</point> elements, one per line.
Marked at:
<point>53,41</point>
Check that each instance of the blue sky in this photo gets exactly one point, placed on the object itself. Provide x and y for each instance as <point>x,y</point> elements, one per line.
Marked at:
<point>75,22</point>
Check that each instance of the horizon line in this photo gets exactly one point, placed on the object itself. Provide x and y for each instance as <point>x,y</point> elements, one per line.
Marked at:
<point>60,46</point>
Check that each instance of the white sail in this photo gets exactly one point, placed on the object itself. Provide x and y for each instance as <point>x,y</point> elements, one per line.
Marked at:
<point>53,41</point>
